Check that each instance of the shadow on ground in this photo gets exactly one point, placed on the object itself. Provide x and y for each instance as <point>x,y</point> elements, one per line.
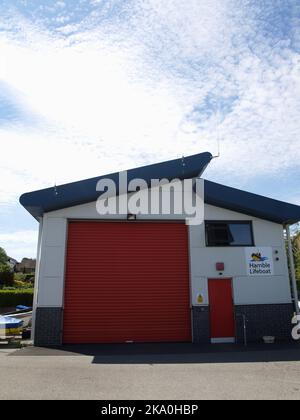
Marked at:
<point>175,353</point>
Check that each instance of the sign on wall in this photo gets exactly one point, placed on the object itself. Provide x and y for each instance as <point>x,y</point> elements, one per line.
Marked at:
<point>259,261</point>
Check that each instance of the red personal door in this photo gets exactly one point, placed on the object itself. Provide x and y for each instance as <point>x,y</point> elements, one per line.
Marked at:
<point>222,325</point>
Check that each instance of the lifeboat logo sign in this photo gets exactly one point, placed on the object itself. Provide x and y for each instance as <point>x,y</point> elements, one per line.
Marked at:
<point>259,261</point>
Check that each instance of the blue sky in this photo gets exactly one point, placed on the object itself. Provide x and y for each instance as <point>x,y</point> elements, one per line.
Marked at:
<point>93,86</point>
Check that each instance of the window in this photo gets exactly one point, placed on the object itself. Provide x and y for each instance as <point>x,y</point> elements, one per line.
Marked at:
<point>229,234</point>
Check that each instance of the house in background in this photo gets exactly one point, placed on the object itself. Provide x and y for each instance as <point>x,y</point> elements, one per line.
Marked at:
<point>26,266</point>
<point>152,278</point>
<point>12,263</point>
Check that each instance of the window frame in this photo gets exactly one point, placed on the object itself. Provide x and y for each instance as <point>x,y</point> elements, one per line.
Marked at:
<point>229,222</point>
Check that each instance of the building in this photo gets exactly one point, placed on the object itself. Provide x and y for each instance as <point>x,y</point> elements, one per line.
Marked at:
<point>145,278</point>
<point>26,266</point>
<point>12,263</point>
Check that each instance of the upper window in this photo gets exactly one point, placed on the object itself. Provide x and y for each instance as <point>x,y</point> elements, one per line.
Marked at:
<point>229,234</point>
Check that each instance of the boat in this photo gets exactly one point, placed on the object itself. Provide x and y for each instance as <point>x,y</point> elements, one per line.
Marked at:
<point>10,326</point>
<point>23,313</point>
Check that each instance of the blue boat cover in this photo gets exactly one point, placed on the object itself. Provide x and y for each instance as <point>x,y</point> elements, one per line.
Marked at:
<point>23,308</point>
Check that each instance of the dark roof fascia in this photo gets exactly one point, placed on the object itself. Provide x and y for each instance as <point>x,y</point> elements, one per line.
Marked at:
<point>82,192</point>
<point>250,204</point>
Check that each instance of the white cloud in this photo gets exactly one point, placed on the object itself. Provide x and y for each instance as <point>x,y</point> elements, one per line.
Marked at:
<point>20,244</point>
<point>110,92</point>
<point>295,199</point>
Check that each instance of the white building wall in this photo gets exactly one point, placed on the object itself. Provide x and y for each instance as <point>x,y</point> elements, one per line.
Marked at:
<point>52,262</point>
<point>37,276</point>
<point>247,290</point>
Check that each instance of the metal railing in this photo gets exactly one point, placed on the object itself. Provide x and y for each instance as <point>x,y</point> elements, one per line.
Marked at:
<point>243,316</point>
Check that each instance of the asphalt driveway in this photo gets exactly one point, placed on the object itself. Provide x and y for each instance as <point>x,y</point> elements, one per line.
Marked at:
<point>180,371</point>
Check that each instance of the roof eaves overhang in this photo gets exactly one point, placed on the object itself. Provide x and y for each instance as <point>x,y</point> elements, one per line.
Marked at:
<point>82,192</point>
<point>250,204</point>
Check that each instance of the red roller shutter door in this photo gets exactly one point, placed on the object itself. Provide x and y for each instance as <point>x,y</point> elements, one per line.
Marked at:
<point>127,282</point>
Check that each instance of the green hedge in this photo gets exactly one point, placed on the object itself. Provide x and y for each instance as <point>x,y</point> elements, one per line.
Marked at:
<point>12,298</point>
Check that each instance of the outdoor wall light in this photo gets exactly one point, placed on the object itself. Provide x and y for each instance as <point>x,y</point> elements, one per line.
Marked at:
<point>131,216</point>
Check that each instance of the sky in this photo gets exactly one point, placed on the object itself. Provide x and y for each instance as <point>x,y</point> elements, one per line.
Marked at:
<point>88,87</point>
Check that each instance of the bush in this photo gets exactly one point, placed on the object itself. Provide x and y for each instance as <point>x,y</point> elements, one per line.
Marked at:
<point>15,297</point>
<point>19,277</point>
<point>6,275</point>
<point>29,277</point>
<point>21,285</point>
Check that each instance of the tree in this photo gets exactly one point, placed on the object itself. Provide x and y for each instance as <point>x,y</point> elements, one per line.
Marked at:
<point>6,272</point>
<point>6,275</point>
<point>3,256</point>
